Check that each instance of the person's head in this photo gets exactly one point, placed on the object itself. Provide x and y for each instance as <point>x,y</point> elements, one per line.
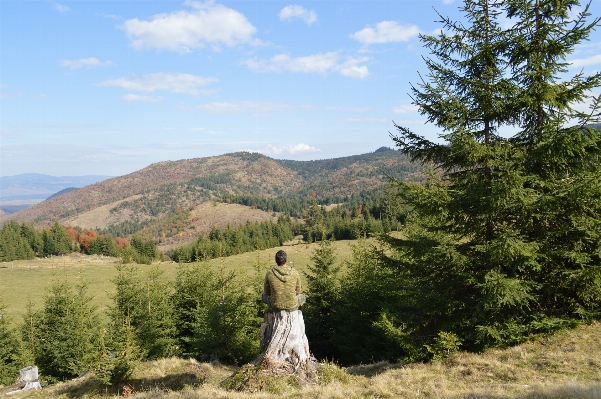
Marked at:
<point>281,258</point>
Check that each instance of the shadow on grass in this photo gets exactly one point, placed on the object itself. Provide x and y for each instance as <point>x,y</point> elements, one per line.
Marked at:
<point>370,370</point>
<point>581,391</point>
<point>171,382</point>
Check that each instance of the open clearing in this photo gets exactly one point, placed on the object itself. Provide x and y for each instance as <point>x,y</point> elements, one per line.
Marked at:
<point>24,280</point>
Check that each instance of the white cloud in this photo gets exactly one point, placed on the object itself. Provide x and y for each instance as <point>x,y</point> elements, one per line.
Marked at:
<point>250,106</point>
<point>317,63</point>
<point>582,62</point>
<point>386,32</point>
<point>146,99</point>
<point>293,11</point>
<point>181,31</point>
<point>176,83</point>
<point>447,1</point>
<point>61,8</point>
<point>292,149</point>
<point>404,109</point>
<point>89,62</point>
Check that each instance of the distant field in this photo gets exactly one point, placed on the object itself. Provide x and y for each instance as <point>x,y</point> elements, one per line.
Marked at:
<point>23,280</point>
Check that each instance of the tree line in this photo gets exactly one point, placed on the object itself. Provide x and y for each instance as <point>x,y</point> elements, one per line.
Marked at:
<point>23,241</point>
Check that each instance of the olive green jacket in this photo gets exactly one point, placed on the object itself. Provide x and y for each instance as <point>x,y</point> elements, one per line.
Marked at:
<point>282,284</point>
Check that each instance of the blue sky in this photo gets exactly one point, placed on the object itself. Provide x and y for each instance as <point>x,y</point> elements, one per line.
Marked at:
<point>109,87</point>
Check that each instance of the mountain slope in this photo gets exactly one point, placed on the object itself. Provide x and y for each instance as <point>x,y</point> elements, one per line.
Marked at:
<point>167,195</point>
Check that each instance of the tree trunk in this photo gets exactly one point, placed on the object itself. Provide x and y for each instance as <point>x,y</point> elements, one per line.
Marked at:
<point>284,352</point>
<point>284,344</point>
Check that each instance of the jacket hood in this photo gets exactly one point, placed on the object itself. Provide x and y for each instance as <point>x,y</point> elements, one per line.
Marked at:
<point>282,272</point>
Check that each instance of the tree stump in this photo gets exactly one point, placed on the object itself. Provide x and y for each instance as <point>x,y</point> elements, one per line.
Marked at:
<point>283,340</point>
<point>284,352</point>
<point>28,375</point>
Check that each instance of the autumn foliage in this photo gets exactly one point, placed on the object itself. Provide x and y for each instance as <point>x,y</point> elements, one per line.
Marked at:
<point>86,237</point>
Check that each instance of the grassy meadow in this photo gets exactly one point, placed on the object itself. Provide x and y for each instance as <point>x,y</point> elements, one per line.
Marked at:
<point>563,366</point>
<point>566,365</point>
<point>24,280</point>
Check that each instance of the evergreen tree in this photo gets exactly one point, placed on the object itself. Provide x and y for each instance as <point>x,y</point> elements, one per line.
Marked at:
<point>156,324</point>
<point>367,290</point>
<point>56,240</point>
<point>323,286</point>
<point>192,292</point>
<point>65,332</point>
<point>226,328</point>
<point>13,243</point>
<point>503,238</point>
<point>120,354</point>
<point>145,305</point>
<point>9,350</point>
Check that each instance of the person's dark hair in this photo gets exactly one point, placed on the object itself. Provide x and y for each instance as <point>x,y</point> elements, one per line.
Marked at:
<point>281,257</point>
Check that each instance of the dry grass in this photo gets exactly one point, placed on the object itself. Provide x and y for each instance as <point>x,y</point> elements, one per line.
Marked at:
<point>211,214</point>
<point>101,217</point>
<point>563,366</point>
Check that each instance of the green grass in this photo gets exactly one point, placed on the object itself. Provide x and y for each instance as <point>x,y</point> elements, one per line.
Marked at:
<point>21,281</point>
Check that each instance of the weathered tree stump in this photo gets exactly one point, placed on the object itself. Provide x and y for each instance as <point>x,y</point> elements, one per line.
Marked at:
<point>284,352</point>
<point>28,375</point>
<point>283,340</point>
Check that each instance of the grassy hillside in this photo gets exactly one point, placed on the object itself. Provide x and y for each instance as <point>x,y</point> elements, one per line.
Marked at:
<point>168,199</point>
<point>566,365</point>
<point>23,280</point>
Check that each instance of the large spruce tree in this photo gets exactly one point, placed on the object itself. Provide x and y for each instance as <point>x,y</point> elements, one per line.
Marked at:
<point>503,239</point>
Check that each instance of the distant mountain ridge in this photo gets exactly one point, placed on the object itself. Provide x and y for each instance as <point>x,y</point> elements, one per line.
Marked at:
<point>28,186</point>
<point>172,193</point>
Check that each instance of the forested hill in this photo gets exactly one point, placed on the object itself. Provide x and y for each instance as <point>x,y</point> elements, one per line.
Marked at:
<point>176,193</point>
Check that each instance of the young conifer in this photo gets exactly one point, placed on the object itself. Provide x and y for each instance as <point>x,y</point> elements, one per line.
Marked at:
<point>65,332</point>
<point>9,349</point>
<point>323,289</point>
<point>504,230</point>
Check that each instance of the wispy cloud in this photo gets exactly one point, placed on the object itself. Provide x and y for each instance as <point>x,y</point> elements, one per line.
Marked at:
<point>367,120</point>
<point>404,109</point>
<point>386,32</point>
<point>250,106</point>
<point>60,7</point>
<point>145,99</point>
<point>87,62</point>
<point>176,83</point>
<point>351,109</point>
<point>7,133</point>
<point>447,1</point>
<point>293,11</point>
<point>582,62</point>
<point>321,63</point>
<point>181,31</point>
<point>291,149</point>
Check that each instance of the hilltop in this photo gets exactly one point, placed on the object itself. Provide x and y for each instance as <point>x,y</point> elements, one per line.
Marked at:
<point>172,198</point>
